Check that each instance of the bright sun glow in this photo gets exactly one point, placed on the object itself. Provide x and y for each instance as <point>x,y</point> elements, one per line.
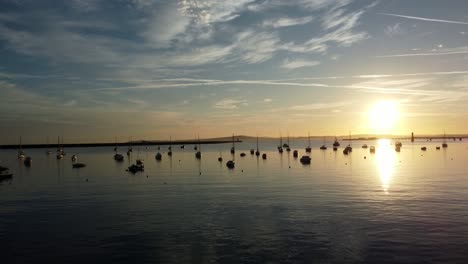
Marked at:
<point>383,117</point>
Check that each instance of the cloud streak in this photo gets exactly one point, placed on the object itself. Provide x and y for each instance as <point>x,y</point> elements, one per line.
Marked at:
<point>425,19</point>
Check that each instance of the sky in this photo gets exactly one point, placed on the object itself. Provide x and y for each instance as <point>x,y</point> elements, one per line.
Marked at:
<point>96,70</point>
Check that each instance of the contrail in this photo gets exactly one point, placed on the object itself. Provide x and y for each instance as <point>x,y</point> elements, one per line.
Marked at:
<point>425,19</point>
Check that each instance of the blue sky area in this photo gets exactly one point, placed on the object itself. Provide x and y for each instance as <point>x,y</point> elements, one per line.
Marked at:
<point>92,70</point>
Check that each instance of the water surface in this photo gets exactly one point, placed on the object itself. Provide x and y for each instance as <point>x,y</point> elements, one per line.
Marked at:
<point>387,207</point>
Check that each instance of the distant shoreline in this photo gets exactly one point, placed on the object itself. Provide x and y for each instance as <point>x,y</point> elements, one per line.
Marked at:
<point>121,144</point>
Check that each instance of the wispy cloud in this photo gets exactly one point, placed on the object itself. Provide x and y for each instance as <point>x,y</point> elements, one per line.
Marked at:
<point>230,104</point>
<point>318,106</point>
<point>425,19</point>
<point>294,64</point>
<point>394,30</point>
<point>441,51</point>
<point>287,22</point>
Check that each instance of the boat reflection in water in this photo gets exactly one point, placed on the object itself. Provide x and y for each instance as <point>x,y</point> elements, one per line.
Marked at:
<point>386,161</point>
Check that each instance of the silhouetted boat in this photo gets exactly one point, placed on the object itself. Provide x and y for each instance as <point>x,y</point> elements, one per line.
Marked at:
<point>60,152</point>
<point>252,151</point>
<point>438,147</point>
<point>139,162</point>
<point>286,145</point>
<point>169,152</point>
<point>134,168</point>
<point>305,160</point>
<point>336,143</point>
<point>372,149</point>
<point>198,154</point>
<point>264,156</point>
<point>308,148</point>
<point>347,150</point>
<point>74,158</point>
<point>323,147</point>
<point>158,156</point>
<point>220,159</point>
<point>398,144</point>
<point>182,147</point>
<point>233,149</point>
<point>21,154</point>
<point>230,164</point>
<point>364,146</point>
<point>78,165</point>
<point>118,157</point>
<point>5,174</point>
<point>257,153</point>
<point>295,154</point>
<point>3,169</point>
<point>242,154</point>
<point>280,146</point>
<point>28,161</point>
<point>423,148</point>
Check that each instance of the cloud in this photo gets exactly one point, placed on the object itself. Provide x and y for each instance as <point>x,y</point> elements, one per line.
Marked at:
<point>425,19</point>
<point>229,104</point>
<point>394,30</point>
<point>267,100</point>
<point>164,27</point>
<point>438,52</point>
<point>256,47</point>
<point>295,64</point>
<point>287,22</point>
<point>318,106</point>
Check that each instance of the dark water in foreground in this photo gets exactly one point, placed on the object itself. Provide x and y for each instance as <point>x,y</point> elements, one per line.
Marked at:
<point>408,207</point>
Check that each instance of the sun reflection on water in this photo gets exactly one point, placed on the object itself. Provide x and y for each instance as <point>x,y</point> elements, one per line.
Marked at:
<point>386,159</point>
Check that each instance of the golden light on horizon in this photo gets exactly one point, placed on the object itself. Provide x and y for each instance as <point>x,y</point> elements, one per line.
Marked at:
<point>383,117</point>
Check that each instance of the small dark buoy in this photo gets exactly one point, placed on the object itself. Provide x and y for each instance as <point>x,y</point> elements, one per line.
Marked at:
<point>346,163</point>
<point>365,157</point>
<point>242,170</point>
<point>86,179</point>
<point>146,176</point>
<point>200,173</point>
<point>289,166</point>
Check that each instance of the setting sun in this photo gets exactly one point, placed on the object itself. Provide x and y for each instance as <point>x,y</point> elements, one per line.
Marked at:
<point>383,117</point>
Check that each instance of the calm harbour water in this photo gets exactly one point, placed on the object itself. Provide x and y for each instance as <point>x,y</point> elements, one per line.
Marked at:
<point>407,207</point>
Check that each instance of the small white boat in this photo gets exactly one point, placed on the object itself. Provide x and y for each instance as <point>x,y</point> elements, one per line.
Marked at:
<point>74,158</point>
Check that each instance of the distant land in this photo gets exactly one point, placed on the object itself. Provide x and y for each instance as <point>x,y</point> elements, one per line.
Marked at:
<point>238,139</point>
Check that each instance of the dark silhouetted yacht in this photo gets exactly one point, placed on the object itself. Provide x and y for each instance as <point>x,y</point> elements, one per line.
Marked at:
<point>305,160</point>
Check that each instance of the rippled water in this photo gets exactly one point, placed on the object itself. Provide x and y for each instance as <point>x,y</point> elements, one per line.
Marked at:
<point>388,207</point>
